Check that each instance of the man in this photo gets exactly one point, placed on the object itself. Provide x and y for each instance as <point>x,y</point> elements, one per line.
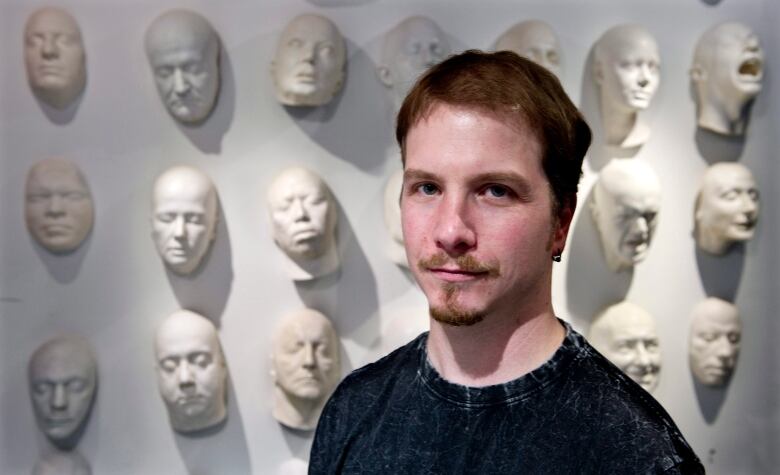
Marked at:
<point>492,151</point>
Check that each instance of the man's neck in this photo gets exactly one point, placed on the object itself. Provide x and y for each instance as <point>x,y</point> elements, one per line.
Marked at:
<point>496,350</point>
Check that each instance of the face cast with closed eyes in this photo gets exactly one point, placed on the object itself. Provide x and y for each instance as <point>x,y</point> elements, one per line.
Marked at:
<point>716,331</point>
<point>624,205</point>
<point>191,371</point>
<point>58,205</point>
<point>309,66</point>
<point>184,217</point>
<point>534,40</point>
<point>183,52</point>
<point>63,377</point>
<point>726,208</point>
<point>54,57</point>
<point>305,367</point>
<point>625,333</point>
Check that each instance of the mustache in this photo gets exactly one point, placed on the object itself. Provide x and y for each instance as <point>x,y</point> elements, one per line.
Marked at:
<point>467,263</point>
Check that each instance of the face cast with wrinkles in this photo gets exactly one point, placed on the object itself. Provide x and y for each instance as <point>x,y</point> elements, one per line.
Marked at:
<point>191,371</point>
<point>184,217</point>
<point>58,205</point>
<point>625,333</point>
<point>534,40</point>
<point>54,56</point>
<point>476,213</point>
<point>308,68</point>
<point>303,215</point>
<point>183,52</point>
<point>716,331</point>
<point>627,67</point>
<point>63,377</point>
<point>727,207</point>
<point>625,203</point>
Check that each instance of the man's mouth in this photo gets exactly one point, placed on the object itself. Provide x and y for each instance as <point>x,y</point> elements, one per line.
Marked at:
<point>746,225</point>
<point>457,275</point>
<point>750,70</point>
<point>56,229</point>
<point>58,421</point>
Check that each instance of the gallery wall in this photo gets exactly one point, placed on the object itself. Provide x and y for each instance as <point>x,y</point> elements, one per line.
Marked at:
<point>115,290</point>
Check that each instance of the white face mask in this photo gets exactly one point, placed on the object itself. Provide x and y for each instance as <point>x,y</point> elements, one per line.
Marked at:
<point>716,331</point>
<point>534,40</point>
<point>309,65</point>
<point>183,52</point>
<point>184,217</point>
<point>54,57</point>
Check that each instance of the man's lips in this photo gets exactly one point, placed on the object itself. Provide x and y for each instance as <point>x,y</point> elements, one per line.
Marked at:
<point>457,275</point>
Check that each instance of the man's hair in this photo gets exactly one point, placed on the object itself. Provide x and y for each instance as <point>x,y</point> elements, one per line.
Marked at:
<point>523,91</point>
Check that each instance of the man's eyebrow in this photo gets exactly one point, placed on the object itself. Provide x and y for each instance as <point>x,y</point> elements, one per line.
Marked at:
<point>415,174</point>
<point>522,184</point>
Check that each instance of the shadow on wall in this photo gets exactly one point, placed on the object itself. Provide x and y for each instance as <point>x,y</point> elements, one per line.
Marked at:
<point>720,275</point>
<point>710,400</point>
<point>64,268</point>
<point>62,116</point>
<point>206,291</point>
<point>716,148</point>
<point>207,135</point>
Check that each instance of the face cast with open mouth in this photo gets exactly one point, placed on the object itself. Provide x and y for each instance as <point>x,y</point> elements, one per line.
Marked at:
<point>716,331</point>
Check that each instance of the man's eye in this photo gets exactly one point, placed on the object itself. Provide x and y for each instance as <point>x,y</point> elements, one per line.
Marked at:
<point>41,388</point>
<point>295,43</point>
<point>165,217</point>
<point>730,195</point>
<point>194,218</point>
<point>164,71</point>
<point>77,385</point>
<point>428,189</point>
<point>497,191</point>
<point>201,359</point>
<point>327,50</point>
<point>733,337</point>
<point>169,364</point>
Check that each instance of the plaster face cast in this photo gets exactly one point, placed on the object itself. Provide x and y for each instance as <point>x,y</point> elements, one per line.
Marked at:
<point>392,216</point>
<point>726,207</point>
<point>62,463</point>
<point>184,217</point>
<point>534,40</point>
<point>54,57</point>
<point>305,368</point>
<point>627,72</point>
<point>183,51</point>
<point>303,219</point>
<point>624,205</point>
<point>410,48</point>
<point>714,342</point>
<point>727,70</point>
<point>191,371</point>
<point>58,205</point>
<point>309,66</point>
<point>625,333</point>
<point>63,376</point>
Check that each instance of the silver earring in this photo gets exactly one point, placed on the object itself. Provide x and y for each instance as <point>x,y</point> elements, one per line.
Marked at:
<point>557,257</point>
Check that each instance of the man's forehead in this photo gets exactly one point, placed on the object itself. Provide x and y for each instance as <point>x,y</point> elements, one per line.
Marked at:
<point>727,179</point>
<point>50,20</point>
<point>311,27</point>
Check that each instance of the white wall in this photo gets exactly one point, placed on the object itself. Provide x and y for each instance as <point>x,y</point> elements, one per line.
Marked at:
<point>115,290</point>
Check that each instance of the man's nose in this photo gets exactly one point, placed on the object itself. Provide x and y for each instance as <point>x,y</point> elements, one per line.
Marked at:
<point>308,356</point>
<point>308,52</point>
<point>641,226</point>
<point>749,204</point>
<point>49,48</point>
<point>723,348</point>
<point>184,375</point>
<point>453,232</point>
<point>179,227</point>
<point>298,211</point>
<point>180,86</point>
<point>644,75</point>
<point>642,355</point>
<point>55,205</point>
<point>59,398</point>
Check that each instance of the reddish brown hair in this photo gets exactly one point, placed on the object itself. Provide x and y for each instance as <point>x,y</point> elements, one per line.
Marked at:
<point>505,83</point>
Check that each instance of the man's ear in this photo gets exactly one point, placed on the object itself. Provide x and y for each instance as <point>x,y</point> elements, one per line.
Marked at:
<point>383,73</point>
<point>565,215</point>
<point>697,73</point>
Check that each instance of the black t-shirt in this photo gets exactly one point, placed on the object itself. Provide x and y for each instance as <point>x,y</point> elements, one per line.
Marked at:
<point>575,414</point>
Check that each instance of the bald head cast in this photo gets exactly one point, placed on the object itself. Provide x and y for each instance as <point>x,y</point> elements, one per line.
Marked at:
<point>534,40</point>
<point>716,331</point>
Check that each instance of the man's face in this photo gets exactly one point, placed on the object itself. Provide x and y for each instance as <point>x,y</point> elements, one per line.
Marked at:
<point>305,358</point>
<point>302,219</point>
<point>54,56</point>
<point>631,72</point>
<point>728,205</point>
<point>62,388</point>
<point>184,56</point>
<point>184,218</point>
<point>536,41</point>
<point>476,213</point>
<point>714,343</point>
<point>308,68</point>
<point>191,372</point>
<point>58,205</point>
<point>737,68</point>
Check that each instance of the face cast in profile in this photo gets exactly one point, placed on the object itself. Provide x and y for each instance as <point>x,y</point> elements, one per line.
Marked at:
<point>305,367</point>
<point>726,207</point>
<point>184,217</point>
<point>309,66</point>
<point>625,333</point>
<point>58,205</point>
<point>62,463</point>
<point>191,371</point>
<point>727,71</point>
<point>410,48</point>
<point>534,40</point>
<point>625,202</point>
<point>183,52</point>
<point>716,331</point>
<point>392,216</point>
<point>63,377</point>
<point>54,57</point>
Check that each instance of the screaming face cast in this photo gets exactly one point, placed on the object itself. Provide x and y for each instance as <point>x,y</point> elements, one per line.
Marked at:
<point>726,208</point>
<point>534,40</point>
<point>183,51</point>
<point>63,377</point>
<point>308,68</point>
<point>624,204</point>
<point>727,70</point>
<point>54,56</point>
<point>191,371</point>
<point>58,205</point>
<point>626,335</point>
<point>184,217</point>
<point>715,336</point>
<point>306,367</point>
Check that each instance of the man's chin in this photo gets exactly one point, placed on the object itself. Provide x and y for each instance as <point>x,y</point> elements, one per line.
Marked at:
<point>456,317</point>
